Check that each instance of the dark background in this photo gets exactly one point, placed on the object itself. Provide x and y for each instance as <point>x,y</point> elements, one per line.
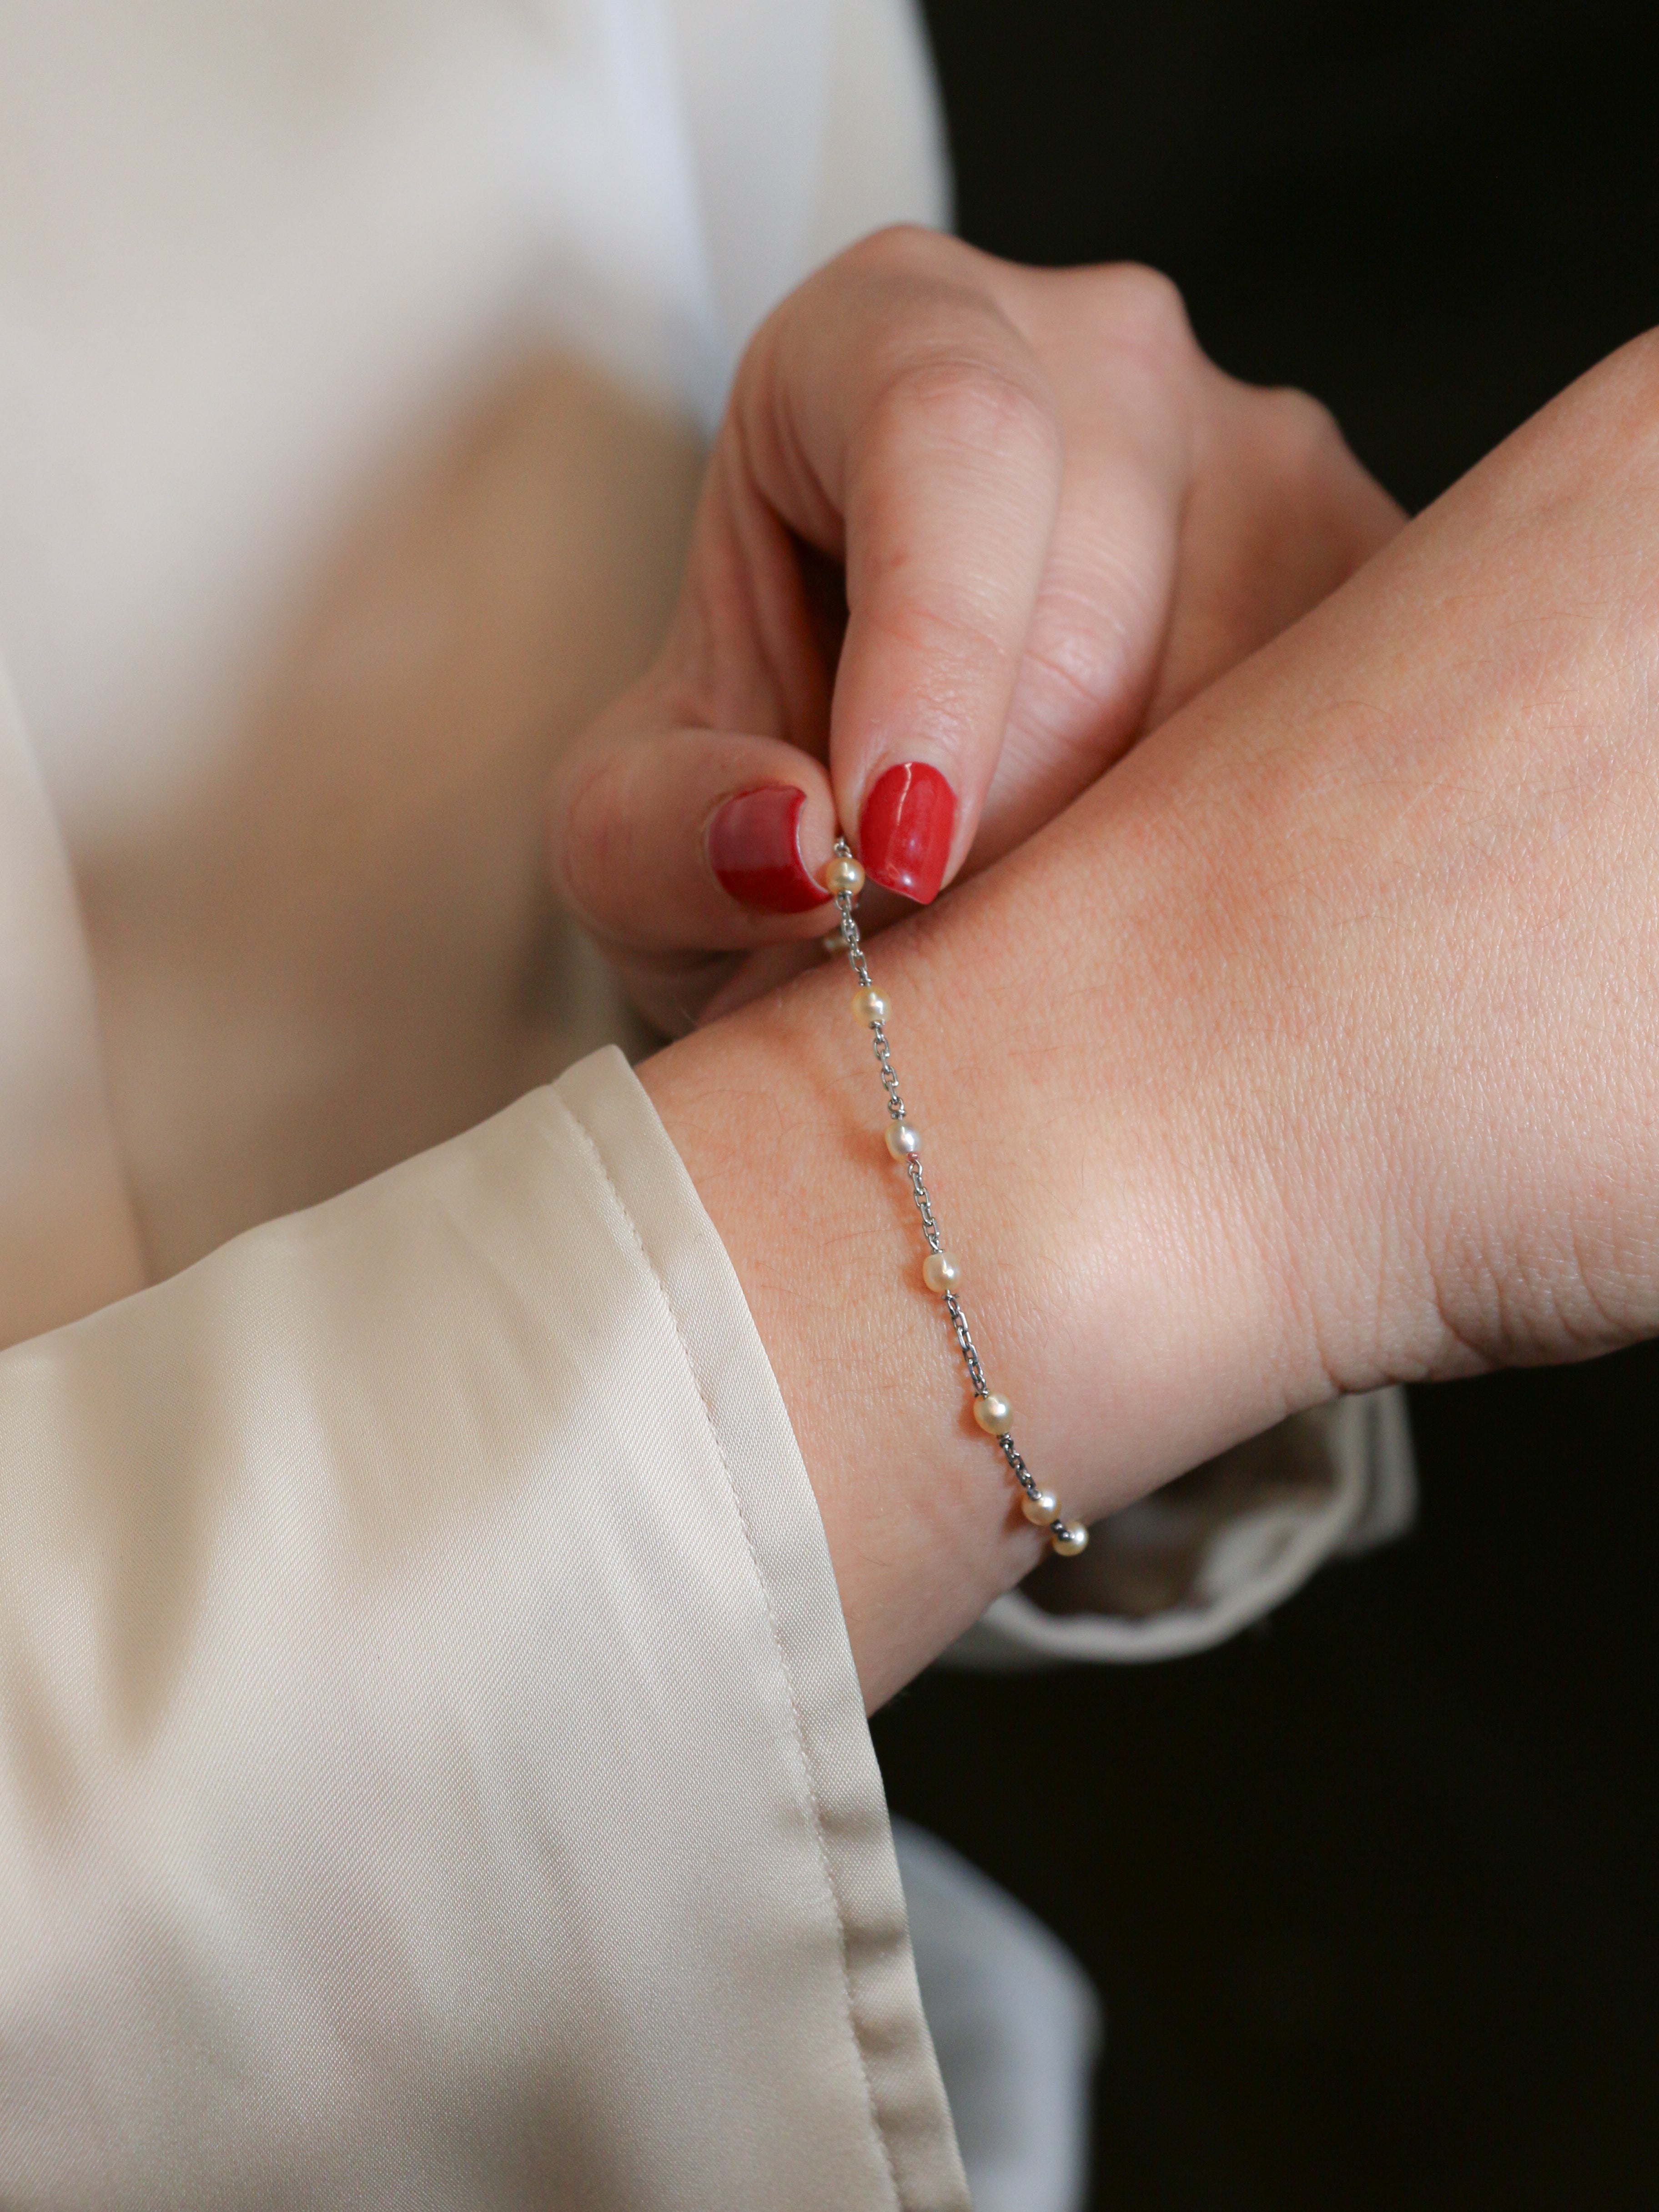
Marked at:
<point>1370,1894</point>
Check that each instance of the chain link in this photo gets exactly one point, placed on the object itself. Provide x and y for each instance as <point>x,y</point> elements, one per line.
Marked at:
<point>1059,1532</point>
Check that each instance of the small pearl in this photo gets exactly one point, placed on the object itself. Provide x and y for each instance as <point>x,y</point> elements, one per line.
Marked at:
<point>902,1140</point>
<point>940,1272</point>
<point>833,942</point>
<point>993,1413</point>
<point>1041,1508</point>
<point>843,874</point>
<point>869,1005</point>
<point>1068,1541</point>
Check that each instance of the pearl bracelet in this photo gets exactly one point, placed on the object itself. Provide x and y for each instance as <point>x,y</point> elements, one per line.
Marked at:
<point>844,879</point>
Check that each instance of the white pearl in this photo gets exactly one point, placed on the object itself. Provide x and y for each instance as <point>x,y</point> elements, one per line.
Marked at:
<point>902,1139</point>
<point>869,1005</point>
<point>1040,1508</point>
<point>940,1272</point>
<point>993,1413</point>
<point>843,874</point>
<point>833,942</point>
<point>1069,1541</point>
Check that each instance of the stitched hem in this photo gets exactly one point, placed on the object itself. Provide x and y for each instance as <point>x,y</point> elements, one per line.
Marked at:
<point>807,1777</point>
<point>777,1514</point>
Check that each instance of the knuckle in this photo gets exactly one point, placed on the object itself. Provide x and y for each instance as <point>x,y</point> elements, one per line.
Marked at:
<point>945,635</point>
<point>1146,310</point>
<point>1301,420</point>
<point>1300,435</point>
<point>905,250</point>
<point>977,405</point>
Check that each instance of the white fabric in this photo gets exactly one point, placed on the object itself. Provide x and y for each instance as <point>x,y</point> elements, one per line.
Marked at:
<point>354,366</point>
<point>433,1772</point>
<point>1017,2026</point>
<point>1250,1557</point>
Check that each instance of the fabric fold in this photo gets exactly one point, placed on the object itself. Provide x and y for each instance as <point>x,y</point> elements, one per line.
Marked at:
<point>69,1240</point>
<point>1189,1565</point>
<point>433,1771</point>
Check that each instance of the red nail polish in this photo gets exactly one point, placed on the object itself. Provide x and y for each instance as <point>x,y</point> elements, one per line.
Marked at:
<point>905,838</point>
<point>754,847</point>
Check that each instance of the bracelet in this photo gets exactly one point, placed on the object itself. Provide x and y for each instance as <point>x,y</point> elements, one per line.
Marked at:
<point>844,879</point>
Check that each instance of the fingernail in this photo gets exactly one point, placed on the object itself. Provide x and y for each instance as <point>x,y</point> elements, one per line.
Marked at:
<point>754,847</point>
<point>905,837</point>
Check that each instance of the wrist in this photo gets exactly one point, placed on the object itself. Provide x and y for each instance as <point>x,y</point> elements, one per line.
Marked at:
<point>1116,1277</point>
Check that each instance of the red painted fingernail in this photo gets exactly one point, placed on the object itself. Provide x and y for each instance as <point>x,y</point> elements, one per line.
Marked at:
<point>905,838</point>
<point>754,847</point>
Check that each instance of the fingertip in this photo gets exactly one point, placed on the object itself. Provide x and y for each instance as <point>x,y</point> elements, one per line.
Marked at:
<point>684,840</point>
<point>754,850</point>
<point>906,828</point>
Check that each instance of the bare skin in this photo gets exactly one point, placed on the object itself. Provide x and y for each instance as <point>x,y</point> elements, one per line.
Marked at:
<point>996,521</point>
<point>1316,1046</point>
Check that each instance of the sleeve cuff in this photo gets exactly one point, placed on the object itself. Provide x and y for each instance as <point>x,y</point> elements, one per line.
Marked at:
<point>862,1985</point>
<point>445,1772</point>
<point>1194,1563</point>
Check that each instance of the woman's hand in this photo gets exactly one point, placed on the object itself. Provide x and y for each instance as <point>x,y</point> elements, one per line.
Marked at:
<point>968,530</point>
<point>1317,1047</point>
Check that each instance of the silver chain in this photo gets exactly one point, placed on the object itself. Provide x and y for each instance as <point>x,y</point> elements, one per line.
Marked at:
<point>1066,1537</point>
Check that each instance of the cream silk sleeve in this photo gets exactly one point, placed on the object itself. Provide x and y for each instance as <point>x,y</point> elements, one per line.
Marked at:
<point>433,1772</point>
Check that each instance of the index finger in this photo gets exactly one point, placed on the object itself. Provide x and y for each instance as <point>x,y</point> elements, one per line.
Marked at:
<point>895,418</point>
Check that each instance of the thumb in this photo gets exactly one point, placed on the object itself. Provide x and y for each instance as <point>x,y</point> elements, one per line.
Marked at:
<point>668,841</point>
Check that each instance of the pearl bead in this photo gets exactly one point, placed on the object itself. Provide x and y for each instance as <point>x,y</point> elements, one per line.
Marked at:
<point>902,1140</point>
<point>993,1413</point>
<point>1069,1541</point>
<point>940,1272</point>
<point>869,1005</point>
<point>1040,1508</point>
<point>833,942</point>
<point>843,874</point>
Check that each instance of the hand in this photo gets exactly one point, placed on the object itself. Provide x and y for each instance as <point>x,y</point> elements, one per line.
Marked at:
<point>1315,1048</point>
<point>968,530</point>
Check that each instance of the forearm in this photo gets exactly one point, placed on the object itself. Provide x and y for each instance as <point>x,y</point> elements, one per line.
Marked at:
<point>1313,1048</point>
<point>1112,1255</point>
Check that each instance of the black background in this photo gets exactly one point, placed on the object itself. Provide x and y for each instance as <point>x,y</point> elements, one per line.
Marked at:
<point>1370,1894</point>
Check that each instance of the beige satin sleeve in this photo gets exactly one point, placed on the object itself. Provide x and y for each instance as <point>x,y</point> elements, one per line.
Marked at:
<point>434,1772</point>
